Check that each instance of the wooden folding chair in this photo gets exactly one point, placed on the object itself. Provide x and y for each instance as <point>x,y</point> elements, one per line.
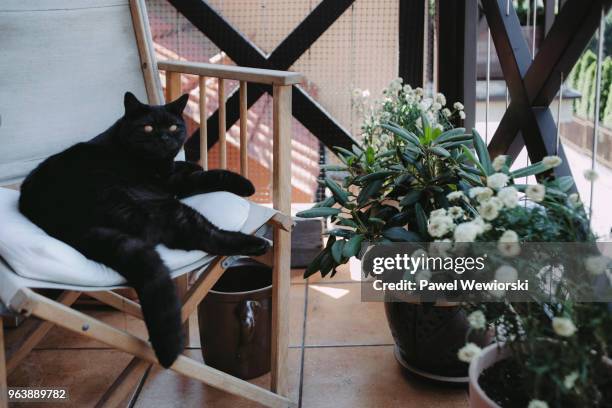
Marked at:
<point>76,58</point>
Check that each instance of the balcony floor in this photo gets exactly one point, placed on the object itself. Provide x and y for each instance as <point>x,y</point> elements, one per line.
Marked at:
<point>341,355</point>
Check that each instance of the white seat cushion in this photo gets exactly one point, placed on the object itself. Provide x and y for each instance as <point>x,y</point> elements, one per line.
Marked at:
<point>33,254</point>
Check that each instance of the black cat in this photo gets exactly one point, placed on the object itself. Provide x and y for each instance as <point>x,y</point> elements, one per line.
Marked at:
<point>115,198</point>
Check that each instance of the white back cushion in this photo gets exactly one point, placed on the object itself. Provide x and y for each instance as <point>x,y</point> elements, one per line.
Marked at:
<point>64,67</point>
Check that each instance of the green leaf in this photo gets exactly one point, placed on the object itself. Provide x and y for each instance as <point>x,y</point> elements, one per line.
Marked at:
<point>377,175</point>
<point>343,150</point>
<point>451,134</point>
<point>530,170</point>
<point>369,190</point>
<point>400,234</point>
<point>314,265</point>
<point>382,155</point>
<point>357,150</point>
<point>328,202</point>
<point>339,232</point>
<point>340,195</point>
<point>475,180</point>
<point>399,220</point>
<point>376,220</point>
<point>440,151</point>
<point>473,159</point>
<point>421,219</point>
<point>347,223</point>
<point>565,183</point>
<point>333,167</point>
<point>318,212</point>
<point>482,152</point>
<point>352,247</point>
<point>410,198</point>
<point>454,145</point>
<point>327,263</point>
<point>336,251</point>
<point>402,133</point>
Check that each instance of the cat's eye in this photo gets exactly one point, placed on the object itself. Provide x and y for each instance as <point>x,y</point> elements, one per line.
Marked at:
<point>173,128</point>
<point>148,128</point>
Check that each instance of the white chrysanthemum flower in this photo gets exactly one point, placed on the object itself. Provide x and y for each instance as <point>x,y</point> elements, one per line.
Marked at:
<point>536,403</point>
<point>499,204</point>
<point>574,199</point>
<point>563,326</point>
<point>467,232</point>
<point>458,105</point>
<point>440,226</point>
<point>365,93</point>
<point>446,112</point>
<point>570,380</point>
<point>508,196</point>
<point>468,352</point>
<point>535,192</point>
<point>455,212</point>
<point>596,265</point>
<point>590,175</point>
<point>481,193</point>
<point>488,210</point>
<point>499,162</point>
<point>418,90</point>
<point>462,114</point>
<point>506,274</point>
<point>407,88</point>
<point>552,161</point>
<point>497,180</point>
<point>436,106</point>
<point>438,213</point>
<point>356,93</point>
<point>477,320</point>
<point>441,99</point>
<point>508,244</point>
<point>455,196</point>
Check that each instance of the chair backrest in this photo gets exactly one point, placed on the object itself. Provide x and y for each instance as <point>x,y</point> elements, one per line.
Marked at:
<point>64,67</point>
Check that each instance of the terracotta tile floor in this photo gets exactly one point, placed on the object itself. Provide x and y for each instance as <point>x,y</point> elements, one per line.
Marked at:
<point>341,355</point>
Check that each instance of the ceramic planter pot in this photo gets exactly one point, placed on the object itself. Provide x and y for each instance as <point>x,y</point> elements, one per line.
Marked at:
<point>489,356</point>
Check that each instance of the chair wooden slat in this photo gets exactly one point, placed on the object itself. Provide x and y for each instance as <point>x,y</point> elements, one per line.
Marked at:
<point>203,125</point>
<point>222,125</point>
<point>244,153</point>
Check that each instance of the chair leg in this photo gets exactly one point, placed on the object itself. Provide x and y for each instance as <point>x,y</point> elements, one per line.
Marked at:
<point>125,383</point>
<point>3,385</point>
<point>182,286</point>
<point>280,310</point>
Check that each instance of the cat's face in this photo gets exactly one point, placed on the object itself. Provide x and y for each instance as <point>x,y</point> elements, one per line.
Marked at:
<point>153,132</point>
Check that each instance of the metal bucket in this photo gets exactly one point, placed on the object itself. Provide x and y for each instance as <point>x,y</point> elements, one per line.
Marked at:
<point>235,320</point>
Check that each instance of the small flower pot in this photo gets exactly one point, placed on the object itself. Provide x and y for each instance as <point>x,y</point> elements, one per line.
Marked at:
<point>489,356</point>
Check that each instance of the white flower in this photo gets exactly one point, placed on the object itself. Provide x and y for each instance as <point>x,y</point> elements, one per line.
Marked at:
<point>563,326</point>
<point>356,93</point>
<point>488,210</point>
<point>497,180</point>
<point>499,162</point>
<point>436,106</point>
<point>552,161</point>
<point>418,90</point>
<point>477,320</point>
<point>455,212</point>
<point>508,196</point>
<point>499,204</point>
<point>458,105</point>
<point>441,99</point>
<point>365,94</point>
<point>574,199</point>
<point>446,112</point>
<point>437,213</point>
<point>535,192</point>
<point>440,226</point>
<point>481,193</point>
<point>455,196</point>
<point>467,232</point>
<point>536,403</point>
<point>570,380</point>
<point>590,175</point>
<point>508,244</point>
<point>462,114</point>
<point>468,352</point>
<point>482,226</point>
<point>596,265</point>
<point>506,274</point>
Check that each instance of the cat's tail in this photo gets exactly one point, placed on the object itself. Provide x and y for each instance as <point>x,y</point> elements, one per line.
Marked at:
<point>144,270</point>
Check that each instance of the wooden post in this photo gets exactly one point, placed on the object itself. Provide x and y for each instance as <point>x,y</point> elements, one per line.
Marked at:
<point>282,239</point>
<point>222,129</point>
<point>203,125</point>
<point>173,85</point>
<point>3,386</point>
<point>244,154</point>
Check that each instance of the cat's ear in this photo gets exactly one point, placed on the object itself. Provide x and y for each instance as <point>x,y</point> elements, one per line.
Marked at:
<point>132,104</point>
<point>177,106</point>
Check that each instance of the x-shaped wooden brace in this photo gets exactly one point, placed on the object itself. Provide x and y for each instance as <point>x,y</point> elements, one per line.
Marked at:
<point>534,84</point>
<point>244,52</point>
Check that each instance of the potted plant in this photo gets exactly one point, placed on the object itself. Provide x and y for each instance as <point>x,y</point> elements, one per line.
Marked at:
<point>552,351</point>
<point>411,160</point>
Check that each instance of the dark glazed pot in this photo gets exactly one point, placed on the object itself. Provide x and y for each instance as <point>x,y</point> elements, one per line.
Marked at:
<point>235,320</point>
<point>427,339</point>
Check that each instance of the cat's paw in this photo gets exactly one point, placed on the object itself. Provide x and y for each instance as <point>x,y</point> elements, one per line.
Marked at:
<point>241,186</point>
<point>255,246</point>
